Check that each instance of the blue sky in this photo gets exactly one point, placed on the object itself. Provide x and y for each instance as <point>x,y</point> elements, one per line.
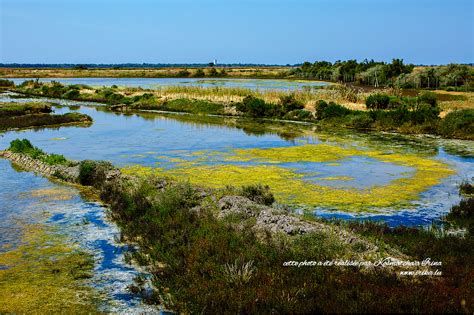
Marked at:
<point>258,31</point>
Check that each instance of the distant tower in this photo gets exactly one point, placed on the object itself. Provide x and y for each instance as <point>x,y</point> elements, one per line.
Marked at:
<point>215,62</point>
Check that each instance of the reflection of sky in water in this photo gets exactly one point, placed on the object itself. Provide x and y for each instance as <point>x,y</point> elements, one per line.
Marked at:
<point>254,84</point>
<point>83,222</point>
<point>151,138</point>
<point>366,172</point>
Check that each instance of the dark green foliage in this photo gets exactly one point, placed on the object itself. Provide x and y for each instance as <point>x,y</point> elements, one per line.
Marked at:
<point>465,209</point>
<point>213,72</point>
<point>256,107</point>
<point>53,159</point>
<point>192,106</point>
<point>21,146</point>
<point>458,124</point>
<point>25,147</point>
<point>6,83</point>
<point>466,188</point>
<point>199,73</point>
<point>331,110</point>
<point>111,97</point>
<point>93,173</point>
<point>362,120</point>
<point>377,101</point>
<point>428,98</point>
<point>18,109</point>
<point>258,193</point>
<point>25,121</point>
<point>71,94</point>
<point>289,103</point>
<point>183,73</point>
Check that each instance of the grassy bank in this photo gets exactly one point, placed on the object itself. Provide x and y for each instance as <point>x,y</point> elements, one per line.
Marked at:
<point>210,72</point>
<point>25,115</point>
<point>383,111</point>
<point>220,251</point>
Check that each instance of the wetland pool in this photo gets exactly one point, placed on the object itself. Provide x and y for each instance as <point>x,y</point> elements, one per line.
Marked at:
<point>153,83</point>
<point>409,180</point>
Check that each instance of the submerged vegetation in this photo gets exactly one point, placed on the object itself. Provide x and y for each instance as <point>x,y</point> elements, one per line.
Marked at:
<point>290,186</point>
<point>211,250</point>
<point>43,275</point>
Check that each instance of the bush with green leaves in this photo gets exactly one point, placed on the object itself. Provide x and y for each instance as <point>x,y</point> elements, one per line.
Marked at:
<point>199,73</point>
<point>289,103</point>
<point>331,110</point>
<point>258,193</point>
<point>93,173</point>
<point>6,83</point>
<point>377,101</point>
<point>24,146</point>
<point>72,94</point>
<point>428,98</point>
<point>458,124</point>
<point>256,107</point>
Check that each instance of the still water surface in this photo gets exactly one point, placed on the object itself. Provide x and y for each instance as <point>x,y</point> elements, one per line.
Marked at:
<point>158,139</point>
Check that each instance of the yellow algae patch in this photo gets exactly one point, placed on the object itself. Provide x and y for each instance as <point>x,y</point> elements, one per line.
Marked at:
<point>290,186</point>
<point>141,171</point>
<point>44,276</point>
<point>51,194</point>
<point>303,153</point>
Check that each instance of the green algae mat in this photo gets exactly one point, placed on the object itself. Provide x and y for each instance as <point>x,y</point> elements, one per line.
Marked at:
<point>276,167</point>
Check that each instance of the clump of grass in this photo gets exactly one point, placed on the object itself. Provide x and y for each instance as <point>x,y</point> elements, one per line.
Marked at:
<point>466,188</point>
<point>258,193</point>
<point>25,147</point>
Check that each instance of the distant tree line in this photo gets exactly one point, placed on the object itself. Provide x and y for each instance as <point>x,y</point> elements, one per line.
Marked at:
<point>396,73</point>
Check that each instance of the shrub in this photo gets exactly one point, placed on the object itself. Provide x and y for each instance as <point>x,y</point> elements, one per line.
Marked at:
<point>320,108</point>
<point>458,123</point>
<point>466,188</point>
<point>427,98</point>
<point>93,173</point>
<point>289,103</point>
<point>25,147</point>
<point>71,94</point>
<point>258,193</point>
<point>362,120</point>
<point>199,73</point>
<point>256,107</point>
<point>213,72</point>
<point>20,146</point>
<point>6,83</point>
<point>53,159</point>
<point>183,73</point>
<point>331,110</point>
<point>377,101</point>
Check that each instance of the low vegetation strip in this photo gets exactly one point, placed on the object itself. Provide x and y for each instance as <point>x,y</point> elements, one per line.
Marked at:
<point>419,114</point>
<point>18,115</point>
<point>226,251</point>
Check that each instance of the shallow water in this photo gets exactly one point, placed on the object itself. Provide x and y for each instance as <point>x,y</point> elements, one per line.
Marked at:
<point>175,141</point>
<point>183,142</point>
<point>26,199</point>
<point>149,83</point>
